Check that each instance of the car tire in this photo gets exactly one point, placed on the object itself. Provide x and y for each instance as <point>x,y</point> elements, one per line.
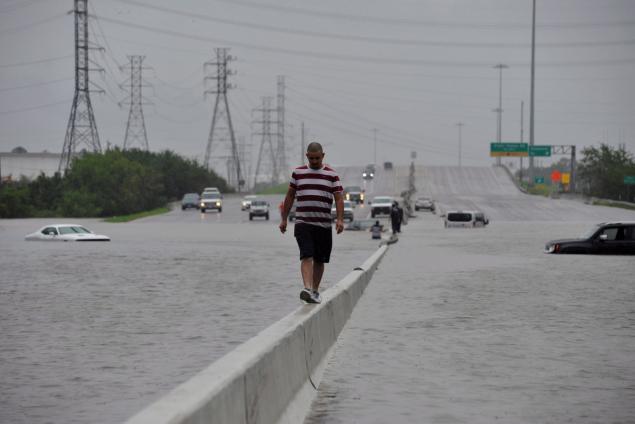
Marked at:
<point>182,208</point>
<point>251,217</point>
<point>372,214</point>
<point>202,210</point>
<point>267,216</point>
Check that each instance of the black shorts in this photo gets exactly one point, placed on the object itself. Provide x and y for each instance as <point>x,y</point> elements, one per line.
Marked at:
<point>314,241</point>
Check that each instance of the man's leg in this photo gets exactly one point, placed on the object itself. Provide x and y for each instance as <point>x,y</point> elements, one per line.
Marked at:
<point>318,270</point>
<point>306,269</point>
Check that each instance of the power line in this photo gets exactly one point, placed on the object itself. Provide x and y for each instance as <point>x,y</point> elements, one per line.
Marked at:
<point>420,23</point>
<point>37,84</point>
<point>348,57</point>
<point>36,62</point>
<point>370,39</point>
<point>32,24</point>
<point>8,112</point>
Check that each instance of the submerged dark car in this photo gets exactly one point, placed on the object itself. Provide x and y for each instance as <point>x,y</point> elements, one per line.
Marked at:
<point>609,238</point>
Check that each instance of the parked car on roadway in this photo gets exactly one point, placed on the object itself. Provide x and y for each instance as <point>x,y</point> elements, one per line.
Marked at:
<point>369,172</point>
<point>259,208</point>
<point>65,232</point>
<point>190,200</point>
<point>424,203</point>
<point>381,205</point>
<point>608,238</point>
<point>210,200</point>
<point>464,219</point>
<point>354,194</point>
<point>246,203</point>
<point>348,211</point>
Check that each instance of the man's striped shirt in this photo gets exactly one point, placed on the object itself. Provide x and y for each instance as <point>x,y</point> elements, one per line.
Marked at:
<point>314,190</point>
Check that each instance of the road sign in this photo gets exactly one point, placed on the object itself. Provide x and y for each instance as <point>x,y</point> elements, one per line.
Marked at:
<point>508,149</point>
<point>566,178</point>
<point>629,179</point>
<point>539,151</point>
<point>539,180</point>
<point>556,176</point>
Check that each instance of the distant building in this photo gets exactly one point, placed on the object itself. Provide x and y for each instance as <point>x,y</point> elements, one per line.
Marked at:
<point>19,163</point>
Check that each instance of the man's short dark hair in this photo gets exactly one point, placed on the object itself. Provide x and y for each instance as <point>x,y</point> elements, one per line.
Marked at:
<point>314,147</point>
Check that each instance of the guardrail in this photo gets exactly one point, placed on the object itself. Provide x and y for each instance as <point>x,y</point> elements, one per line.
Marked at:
<point>273,377</point>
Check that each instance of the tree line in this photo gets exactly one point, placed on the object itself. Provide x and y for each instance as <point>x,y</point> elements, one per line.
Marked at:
<point>599,173</point>
<point>115,182</point>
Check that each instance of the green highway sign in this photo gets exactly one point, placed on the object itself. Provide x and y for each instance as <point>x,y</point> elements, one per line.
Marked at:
<point>508,149</point>
<point>539,150</point>
<point>539,180</point>
<point>629,179</point>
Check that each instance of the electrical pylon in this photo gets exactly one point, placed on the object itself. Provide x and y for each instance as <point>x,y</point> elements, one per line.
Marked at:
<point>221,112</point>
<point>136,127</point>
<point>81,128</point>
<point>281,150</point>
<point>266,143</point>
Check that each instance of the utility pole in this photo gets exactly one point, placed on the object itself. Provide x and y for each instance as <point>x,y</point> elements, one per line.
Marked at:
<point>281,151</point>
<point>266,142</point>
<point>221,111</point>
<point>460,125</point>
<point>531,102</point>
<point>136,127</point>
<point>499,136</point>
<point>522,135</point>
<point>81,128</point>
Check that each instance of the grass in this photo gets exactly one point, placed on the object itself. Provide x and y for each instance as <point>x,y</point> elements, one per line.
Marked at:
<point>278,189</point>
<point>133,216</point>
<point>613,204</point>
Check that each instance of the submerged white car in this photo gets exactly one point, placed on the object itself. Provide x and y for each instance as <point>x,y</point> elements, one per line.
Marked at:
<point>65,232</point>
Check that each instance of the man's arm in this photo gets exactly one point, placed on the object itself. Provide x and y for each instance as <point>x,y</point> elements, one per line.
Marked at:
<point>286,207</point>
<point>339,209</point>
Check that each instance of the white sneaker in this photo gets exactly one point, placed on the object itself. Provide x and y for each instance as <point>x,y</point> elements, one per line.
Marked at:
<point>316,296</point>
<point>307,296</point>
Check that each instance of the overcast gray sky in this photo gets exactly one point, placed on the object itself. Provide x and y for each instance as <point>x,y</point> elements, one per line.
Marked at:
<point>412,69</point>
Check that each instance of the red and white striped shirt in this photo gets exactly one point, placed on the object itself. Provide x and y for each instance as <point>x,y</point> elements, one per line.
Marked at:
<point>314,190</point>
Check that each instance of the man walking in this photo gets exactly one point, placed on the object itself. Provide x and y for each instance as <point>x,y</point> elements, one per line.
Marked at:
<point>315,186</point>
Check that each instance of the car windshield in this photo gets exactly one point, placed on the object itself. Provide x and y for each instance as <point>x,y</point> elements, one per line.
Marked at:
<point>459,217</point>
<point>258,203</point>
<point>382,200</point>
<point>211,196</point>
<point>190,196</point>
<point>588,233</point>
<point>352,189</point>
<point>347,205</point>
<point>250,197</point>
<point>74,230</point>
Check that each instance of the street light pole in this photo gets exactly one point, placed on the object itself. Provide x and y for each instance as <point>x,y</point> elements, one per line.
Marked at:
<point>499,136</point>
<point>460,125</point>
<point>531,104</point>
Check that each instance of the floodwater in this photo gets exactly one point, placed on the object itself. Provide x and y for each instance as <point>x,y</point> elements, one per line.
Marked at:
<point>479,326</point>
<point>94,332</point>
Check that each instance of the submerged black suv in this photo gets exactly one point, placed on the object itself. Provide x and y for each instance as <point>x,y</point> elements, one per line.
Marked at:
<point>609,238</point>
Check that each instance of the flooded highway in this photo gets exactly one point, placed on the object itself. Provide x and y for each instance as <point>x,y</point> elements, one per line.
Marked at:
<point>94,332</point>
<point>456,325</point>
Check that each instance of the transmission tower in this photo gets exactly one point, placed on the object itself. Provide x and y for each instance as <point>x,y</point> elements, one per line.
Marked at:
<point>221,112</point>
<point>81,128</point>
<point>136,127</point>
<point>266,143</point>
<point>281,151</point>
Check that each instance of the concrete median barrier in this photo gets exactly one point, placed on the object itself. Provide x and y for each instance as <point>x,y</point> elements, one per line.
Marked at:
<point>273,377</point>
